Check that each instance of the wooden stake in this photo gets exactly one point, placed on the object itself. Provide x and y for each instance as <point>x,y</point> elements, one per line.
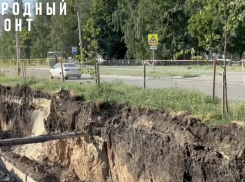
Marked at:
<point>98,74</point>
<point>226,97</point>
<point>144,71</point>
<point>62,71</point>
<point>214,74</point>
<point>95,73</point>
<point>223,95</point>
<point>41,138</point>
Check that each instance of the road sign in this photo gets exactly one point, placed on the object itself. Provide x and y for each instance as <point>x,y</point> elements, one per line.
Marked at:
<point>153,39</point>
<point>74,49</point>
<point>153,47</point>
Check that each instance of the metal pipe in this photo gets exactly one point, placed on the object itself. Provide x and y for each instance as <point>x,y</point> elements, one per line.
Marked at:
<point>41,138</point>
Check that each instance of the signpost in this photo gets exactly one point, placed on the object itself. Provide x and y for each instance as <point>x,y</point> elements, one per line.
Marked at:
<point>153,43</point>
<point>74,50</point>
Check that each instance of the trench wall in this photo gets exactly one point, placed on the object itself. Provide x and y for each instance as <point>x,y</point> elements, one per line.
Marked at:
<point>129,145</point>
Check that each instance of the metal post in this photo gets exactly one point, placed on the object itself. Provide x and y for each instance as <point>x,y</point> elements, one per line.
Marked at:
<point>17,47</point>
<point>17,52</point>
<point>226,100</point>
<point>98,74</point>
<point>49,68</point>
<point>223,98</point>
<point>97,69</point>
<point>62,71</point>
<point>153,59</point>
<point>80,35</point>
<point>224,80</point>
<point>95,73</point>
<point>153,55</point>
<point>28,68</point>
<point>38,61</point>
<point>214,74</point>
<point>144,72</point>
<point>11,68</point>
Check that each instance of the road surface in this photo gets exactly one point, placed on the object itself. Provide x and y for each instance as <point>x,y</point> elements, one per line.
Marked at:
<point>235,82</point>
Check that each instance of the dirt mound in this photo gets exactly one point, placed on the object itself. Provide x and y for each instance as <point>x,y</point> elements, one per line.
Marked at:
<point>130,145</point>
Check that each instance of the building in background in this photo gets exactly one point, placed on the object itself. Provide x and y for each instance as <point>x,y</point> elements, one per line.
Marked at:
<point>2,17</point>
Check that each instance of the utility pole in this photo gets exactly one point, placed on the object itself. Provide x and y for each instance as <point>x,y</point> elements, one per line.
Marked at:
<point>79,30</point>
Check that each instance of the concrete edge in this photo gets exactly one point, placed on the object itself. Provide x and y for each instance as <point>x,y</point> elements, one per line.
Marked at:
<point>19,176</point>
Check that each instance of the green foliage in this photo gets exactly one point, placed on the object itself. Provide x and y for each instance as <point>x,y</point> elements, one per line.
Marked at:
<point>110,43</point>
<point>90,34</point>
<point>123,27</point>
<point>168,19</point>
<point>196,58</point>
<point>183,52</point>
<point>7,40</point>
<point>89,53</point>
<point>208,25</point>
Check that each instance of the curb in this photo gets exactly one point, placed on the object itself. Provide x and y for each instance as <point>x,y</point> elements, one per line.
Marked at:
<point>19,176</point>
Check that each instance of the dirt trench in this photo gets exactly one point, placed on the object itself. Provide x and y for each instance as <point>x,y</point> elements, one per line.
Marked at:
<point>129,145</point>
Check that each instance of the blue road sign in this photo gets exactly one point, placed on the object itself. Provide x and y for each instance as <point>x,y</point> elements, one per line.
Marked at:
<point>74,49</point>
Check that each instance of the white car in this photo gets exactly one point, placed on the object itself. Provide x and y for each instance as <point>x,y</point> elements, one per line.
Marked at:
<point>69,70</point>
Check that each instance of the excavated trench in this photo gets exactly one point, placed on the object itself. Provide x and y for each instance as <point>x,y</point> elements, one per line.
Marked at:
<point>128,145</point>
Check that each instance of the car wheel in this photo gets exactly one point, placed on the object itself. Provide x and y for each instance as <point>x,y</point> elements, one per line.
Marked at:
<point>78,77</point>
<point>66,78</point>
<point>51,76</point>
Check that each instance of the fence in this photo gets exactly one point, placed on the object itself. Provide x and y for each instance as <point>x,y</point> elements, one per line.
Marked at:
<point>122,62</point>
<point>28,67</point>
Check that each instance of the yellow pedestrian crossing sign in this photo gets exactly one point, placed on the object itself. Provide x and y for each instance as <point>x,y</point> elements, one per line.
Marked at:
<point>152,39</point>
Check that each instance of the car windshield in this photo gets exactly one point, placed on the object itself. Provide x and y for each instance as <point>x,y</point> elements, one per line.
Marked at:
<point>70,65</point>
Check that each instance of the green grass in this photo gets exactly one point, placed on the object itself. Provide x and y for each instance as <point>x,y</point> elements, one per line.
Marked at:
<point>175,99</point>
<point>165,71</point>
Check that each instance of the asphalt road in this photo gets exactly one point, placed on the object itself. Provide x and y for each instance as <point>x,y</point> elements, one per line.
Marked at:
<point>235,82</point>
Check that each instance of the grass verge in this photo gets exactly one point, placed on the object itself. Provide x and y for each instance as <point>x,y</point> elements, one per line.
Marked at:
<point>165,71</point>
<point>175,99</point>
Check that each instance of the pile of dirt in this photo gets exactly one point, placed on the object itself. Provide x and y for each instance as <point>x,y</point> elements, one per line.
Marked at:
<point>128,145</point>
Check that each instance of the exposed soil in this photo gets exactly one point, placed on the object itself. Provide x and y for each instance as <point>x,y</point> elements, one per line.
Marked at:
<point>129,145</point>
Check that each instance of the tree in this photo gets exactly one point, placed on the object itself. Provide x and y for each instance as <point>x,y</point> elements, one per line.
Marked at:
<point>89,53</point>
<point>208,25</point>
<point>111,45</point>
<point>168,19</point>
<point>8,49</point>
<point>64,31</point>
<point>226,20</point>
